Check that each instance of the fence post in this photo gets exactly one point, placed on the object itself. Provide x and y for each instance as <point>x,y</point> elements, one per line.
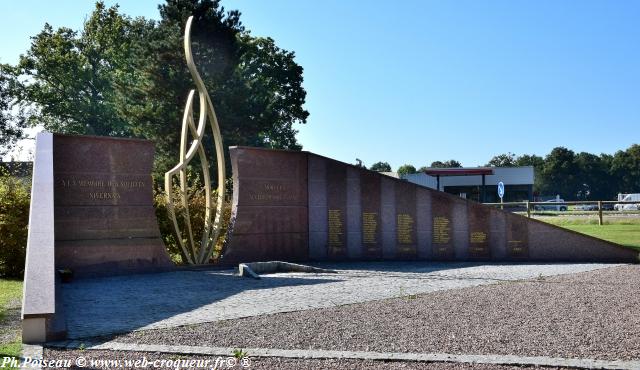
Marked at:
<point>600,213</point>
<point>528,209</point>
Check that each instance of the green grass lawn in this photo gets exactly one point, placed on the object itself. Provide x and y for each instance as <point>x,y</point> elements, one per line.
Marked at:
<point>10,298</point>
<point>618,230</point>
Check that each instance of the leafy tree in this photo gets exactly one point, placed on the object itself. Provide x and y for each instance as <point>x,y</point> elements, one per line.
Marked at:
<point>406,169</point>
<point>530,160</point>
<point>70,78</point>
<point>625,168</point>
<point>381,167</point>
<point>502,160</point>
<point>592,177</point>
<point>446,164</point>
<point>119,76</point>
<point>255,86</point>
<point>10,128</point>
<point>538,163</point>
<point>560,173</point>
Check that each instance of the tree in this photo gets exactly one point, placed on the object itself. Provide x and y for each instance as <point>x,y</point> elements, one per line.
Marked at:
<point>560,173</point>
<point>255,86</point>
<point>406,169</point>
<point>452,163</point>
<point>70,78</point>
<point>10,127</point>
<point>625,168</point>
<point>502,160</point>
<point>381,167</point>
<point>537,163</point>
<point>592,177</point>
<point>119,76</point>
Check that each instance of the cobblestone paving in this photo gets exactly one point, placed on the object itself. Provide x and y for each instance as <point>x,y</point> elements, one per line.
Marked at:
<point>121,304</point>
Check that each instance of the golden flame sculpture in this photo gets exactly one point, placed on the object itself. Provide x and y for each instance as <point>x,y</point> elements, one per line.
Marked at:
<point>196,253</point>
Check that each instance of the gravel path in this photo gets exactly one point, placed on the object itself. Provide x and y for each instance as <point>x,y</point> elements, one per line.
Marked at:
<point>122,304</point>
<point>10,323</point>
<point>268,363</point>
<point>584,315</point>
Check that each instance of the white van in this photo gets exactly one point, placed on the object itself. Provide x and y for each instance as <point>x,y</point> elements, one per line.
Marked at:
<point>628,198</point>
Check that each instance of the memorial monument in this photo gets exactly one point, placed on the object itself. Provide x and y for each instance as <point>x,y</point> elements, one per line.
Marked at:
<point>299,206</point>
<point>92,214</point>
<point>196,251</point>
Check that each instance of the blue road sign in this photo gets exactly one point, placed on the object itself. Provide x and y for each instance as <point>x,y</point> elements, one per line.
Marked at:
<point>501,189</point>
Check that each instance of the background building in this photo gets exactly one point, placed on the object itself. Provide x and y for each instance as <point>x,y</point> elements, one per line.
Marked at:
<point>478,183</point>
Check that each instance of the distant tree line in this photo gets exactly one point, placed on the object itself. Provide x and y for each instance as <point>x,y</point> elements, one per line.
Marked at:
<point>573,176</point>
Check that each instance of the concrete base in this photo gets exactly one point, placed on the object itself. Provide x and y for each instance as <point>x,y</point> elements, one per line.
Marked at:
<point>34,330</point>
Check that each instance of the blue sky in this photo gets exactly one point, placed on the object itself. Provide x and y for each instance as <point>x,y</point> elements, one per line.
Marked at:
<point>418,81</point>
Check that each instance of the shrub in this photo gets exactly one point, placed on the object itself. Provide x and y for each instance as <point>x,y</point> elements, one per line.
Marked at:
<point>197,205</point>
<point>14,219</point>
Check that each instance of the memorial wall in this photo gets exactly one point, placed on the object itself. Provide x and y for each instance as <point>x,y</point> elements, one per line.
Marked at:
<point>104,218</point>
<point>299,206</point>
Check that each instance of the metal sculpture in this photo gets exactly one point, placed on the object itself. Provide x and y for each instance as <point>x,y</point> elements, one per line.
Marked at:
<point>196,252</point>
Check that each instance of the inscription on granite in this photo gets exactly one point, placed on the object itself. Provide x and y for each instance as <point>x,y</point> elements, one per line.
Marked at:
<point>336,226</point>
<point>369,228</point>
<point>405,219</point>
<point>269,213</point>
<point>405,229</point>
<point>103,206</point>
<point>479,229</point>
<point>441,230</point>
<point>517,237</point>
<point>442,242</point>
<point>97,188</point>
<point>370,205</point>
<point>280,195</point>
<point>336,210</point>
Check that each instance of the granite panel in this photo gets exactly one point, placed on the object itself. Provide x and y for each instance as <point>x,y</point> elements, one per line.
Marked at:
<point>424,223</point>
<point>103,206</point>
<point>371,217</point>
<point>517,237</point>
<point>388,217</point>
<point>479,235</point>
<point>337,210</point>
<point>442,234</point>
<point>406,236</point>
<point>270,217</point>
<point>352,213</point>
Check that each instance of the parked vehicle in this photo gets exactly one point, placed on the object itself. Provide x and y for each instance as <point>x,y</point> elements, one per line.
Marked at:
<point>628,207</point>
<point>587,207</point>
<point>551,206</point>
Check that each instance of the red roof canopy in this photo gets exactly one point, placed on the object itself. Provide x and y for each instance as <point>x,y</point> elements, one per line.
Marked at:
<point>459,171</point>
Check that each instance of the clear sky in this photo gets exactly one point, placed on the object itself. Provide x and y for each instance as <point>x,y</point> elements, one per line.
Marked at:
<point>418,81</point>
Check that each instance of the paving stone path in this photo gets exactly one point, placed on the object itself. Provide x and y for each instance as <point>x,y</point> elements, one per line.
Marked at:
<point>121,304</point>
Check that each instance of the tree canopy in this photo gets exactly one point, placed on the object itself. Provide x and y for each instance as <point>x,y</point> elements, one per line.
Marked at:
<point>10,130</point>
<point>452,163</point>
<point>119,76</point>
<point>502,160</point>
<point>406,169</point>
<point>381,167</point>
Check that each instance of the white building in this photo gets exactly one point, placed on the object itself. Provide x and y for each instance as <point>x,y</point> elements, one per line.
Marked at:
<point>478,183</point>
